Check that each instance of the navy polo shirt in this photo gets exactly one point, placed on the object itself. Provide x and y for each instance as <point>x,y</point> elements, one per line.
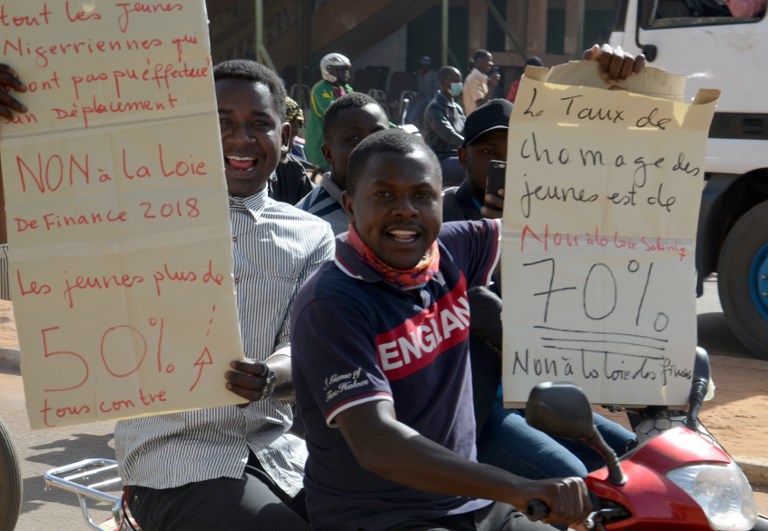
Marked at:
<point>356,338</point>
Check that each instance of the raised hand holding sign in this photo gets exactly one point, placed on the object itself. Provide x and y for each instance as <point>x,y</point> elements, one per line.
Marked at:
<point>117,211</point>
<point>601,204</point>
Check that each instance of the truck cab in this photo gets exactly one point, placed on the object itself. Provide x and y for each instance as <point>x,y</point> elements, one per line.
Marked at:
<point>727,49</point>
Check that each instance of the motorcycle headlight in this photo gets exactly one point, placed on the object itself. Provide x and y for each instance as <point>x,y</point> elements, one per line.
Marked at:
<point>722,491</point>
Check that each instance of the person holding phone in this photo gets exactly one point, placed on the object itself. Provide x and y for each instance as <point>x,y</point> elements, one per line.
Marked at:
<point>504,439</point>
<point>481,82</point>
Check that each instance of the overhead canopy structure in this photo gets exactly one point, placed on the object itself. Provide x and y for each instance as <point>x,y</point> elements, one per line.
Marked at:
<point>298,32</point>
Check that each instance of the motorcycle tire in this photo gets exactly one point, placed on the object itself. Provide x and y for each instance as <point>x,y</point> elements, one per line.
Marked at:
<point>10,481</point>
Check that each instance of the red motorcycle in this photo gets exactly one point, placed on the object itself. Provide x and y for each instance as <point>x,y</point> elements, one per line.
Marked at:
<point>679,478</point>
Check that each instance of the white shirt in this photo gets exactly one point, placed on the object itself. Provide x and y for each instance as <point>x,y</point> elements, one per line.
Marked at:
<point>275,247</point>
<point>475,88</point>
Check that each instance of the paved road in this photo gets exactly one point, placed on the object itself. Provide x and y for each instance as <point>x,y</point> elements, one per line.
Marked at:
<point>41,450</point>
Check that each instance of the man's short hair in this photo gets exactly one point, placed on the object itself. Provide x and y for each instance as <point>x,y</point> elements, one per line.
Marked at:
<point>351,100</point>
<point>394,141</point>
<point>480,53</point>
<point>446,72</point>
<point>253,71</point>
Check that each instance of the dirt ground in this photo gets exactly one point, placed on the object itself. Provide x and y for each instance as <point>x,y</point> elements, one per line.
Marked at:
<point>737,416</point>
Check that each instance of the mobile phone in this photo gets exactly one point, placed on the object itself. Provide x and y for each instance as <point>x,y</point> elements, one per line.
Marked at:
<point>497,172</point>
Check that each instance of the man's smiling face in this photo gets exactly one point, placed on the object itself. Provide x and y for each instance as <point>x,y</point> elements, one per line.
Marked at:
<point>252,134</point>
<point>397,207</point>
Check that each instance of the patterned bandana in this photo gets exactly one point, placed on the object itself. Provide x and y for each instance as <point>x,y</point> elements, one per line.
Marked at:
<point>339,91</point>
<point>408,279</point>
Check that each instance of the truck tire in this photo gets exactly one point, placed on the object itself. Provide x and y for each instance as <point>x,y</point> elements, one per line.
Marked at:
<point>742,283</point>
<point>10,481</point>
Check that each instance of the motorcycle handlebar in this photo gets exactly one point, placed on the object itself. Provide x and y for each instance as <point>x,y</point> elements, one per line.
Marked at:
<point>699,384</point>
<point>536,510</point>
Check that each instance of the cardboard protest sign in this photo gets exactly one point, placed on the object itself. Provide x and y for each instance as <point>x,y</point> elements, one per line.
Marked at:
<point>600,213</point>
<point>117,211</point>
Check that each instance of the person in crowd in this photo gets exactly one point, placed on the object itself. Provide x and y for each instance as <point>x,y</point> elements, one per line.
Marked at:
<point>481,82</point>
<point>746,8</point>
<point>389,421</point>
<point>348,120</point>
<point>290,181</point>
<point>295,116</point>
<point>238,467</point>
<point>234,467</point>
<point>9,105</point>
<point>381,364</point>
<point>427,84</point>
<point>512,94</point>
<point>336,71</point>
<point>443,123</point>
<point>188,470</point>
<point>504,438</point>
<point>711,8</point>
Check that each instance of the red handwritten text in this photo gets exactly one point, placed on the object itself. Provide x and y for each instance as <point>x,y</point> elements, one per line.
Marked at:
<point>160,73</point>
<point>168,275</point>
<point>55,170</point>
<point>168,167</point>
<point>113,107</point>
<point>33,288</point>
<point>139,7</point>
<point>98,282</point>
<point>43,54</point>
<point>22,21</point>
<point>51,413</point>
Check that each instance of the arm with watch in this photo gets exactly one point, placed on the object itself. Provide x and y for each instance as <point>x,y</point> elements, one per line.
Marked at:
<point>262,380</point>
<point>270,379</point>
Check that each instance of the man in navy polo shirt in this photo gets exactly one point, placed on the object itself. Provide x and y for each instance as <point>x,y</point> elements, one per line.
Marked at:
<point>380,362</point>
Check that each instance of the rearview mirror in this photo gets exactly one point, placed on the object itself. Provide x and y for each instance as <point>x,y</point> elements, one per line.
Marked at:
<point>560,409</point>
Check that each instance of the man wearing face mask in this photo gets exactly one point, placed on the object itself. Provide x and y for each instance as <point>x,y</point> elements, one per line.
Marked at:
<point>443,123</point>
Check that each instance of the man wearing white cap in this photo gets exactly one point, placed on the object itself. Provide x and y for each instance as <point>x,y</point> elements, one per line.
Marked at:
<point>336,70</point>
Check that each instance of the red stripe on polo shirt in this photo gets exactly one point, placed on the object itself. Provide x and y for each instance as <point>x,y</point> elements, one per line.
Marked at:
<point>420,340</point>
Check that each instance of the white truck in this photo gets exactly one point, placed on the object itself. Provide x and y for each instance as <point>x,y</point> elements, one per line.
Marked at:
<point>714,49</point>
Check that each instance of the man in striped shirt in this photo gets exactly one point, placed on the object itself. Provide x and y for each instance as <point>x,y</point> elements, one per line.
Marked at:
<point>188,470</point>
<point>347,121</point>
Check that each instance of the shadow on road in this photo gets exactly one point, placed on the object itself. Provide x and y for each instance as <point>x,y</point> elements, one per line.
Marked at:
<point>57,453</point>
<point>9,368</point>
<point>717,338</point>
<point>75,448</point>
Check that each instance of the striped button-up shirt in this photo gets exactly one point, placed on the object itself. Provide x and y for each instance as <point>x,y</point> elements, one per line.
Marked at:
<point>325,202</point>
<point>276,247</point>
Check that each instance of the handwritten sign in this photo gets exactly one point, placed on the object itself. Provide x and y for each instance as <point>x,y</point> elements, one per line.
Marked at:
<point>601,206</point>
<point>117,211</point>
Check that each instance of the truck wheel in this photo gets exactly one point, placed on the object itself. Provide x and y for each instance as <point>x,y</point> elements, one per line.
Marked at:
<point>10,481</point>
<point>743,279</point>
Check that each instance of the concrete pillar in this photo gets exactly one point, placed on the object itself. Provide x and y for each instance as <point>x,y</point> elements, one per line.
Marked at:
<point>536,37</point>
<point>478,27</point>
<point>574,27</point>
